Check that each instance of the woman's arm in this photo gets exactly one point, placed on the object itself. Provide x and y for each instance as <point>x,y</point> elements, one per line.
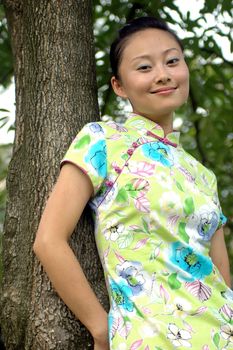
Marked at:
<point>64,208</point>
<point>218,254</point>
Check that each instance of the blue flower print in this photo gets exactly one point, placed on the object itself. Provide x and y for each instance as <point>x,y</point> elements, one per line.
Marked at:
<point>95,128</point>
<point>158,152</point>
<point>223,219</point>
<point>121,295</point>
<point>207,225</point>
<point>96,156</point>
<point>110,324</point>
<point>131,271</point>
<point>204,222</point>
<point>196,266</point>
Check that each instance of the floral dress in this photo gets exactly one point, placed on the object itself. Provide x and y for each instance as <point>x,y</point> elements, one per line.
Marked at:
<point>156,209</point>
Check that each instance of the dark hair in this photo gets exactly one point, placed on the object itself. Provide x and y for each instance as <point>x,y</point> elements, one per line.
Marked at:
<point>130,28</point>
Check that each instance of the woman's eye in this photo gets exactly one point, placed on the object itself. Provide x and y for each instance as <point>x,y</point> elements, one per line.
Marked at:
<point>173,61</point>
<point>144,67</point>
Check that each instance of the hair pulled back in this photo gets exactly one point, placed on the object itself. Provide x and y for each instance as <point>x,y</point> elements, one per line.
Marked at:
<point>136,25</point>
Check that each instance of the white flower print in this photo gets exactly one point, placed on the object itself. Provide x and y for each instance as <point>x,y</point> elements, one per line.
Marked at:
<point>178,337</point>
<point>181,307</point>
<point>227,332</point>
<point>170,203</point>
<point>113,230</point>
<point>151,329</point>
<point>164,180</point>
<point>203,223</point>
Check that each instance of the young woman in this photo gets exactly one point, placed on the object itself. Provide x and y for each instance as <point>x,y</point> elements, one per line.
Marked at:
<point>158,220</point>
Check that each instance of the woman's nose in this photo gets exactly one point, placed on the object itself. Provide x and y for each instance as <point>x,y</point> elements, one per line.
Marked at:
<point>162,75</point>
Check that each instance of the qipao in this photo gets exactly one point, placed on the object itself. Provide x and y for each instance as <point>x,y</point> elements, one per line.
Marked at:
<point>156,209</point>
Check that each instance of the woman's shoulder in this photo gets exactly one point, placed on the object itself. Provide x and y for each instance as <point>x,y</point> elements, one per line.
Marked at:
<point>106,127</point>
<point>197,165</point>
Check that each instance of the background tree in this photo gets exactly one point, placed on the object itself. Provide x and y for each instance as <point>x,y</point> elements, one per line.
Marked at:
<point>53,52</point>
<point>55,95</point>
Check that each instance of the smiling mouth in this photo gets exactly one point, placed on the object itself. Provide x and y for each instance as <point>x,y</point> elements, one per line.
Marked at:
<point>164,90</point>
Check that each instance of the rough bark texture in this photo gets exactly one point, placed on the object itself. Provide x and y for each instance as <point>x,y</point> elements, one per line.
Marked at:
<point>53,50</point>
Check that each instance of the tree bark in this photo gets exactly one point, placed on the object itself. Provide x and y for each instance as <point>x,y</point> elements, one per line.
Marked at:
<point>52,43</point>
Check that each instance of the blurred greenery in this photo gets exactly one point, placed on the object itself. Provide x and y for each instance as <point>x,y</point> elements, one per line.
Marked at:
<point>207,119</point>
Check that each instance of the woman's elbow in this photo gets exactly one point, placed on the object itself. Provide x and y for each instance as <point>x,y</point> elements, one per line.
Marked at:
<point>43,243</point>
<point>38,245</point>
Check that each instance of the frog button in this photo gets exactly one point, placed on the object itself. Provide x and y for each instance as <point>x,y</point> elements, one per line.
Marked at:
<point>130,151</point>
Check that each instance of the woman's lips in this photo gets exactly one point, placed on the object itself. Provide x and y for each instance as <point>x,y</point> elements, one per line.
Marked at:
<point>164,91</point>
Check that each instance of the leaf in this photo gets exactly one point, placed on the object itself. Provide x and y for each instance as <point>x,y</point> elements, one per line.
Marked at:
<point>131,191</point>
<point>140,185</point>
<point>125,156</point>
<point>164,294</point>
<point>145,225</point>
<point>146,310</point>
<point>140,243</point>
<point>188,326</point>
<point>179,186</point>
<point>199,311</point>
<point>136,344</point>
<point>216,339</point>
<point>106,252</point>
<point>125,329</point>
<point>155,253</point>
<point>189,206</point>
<point>114,328</point>
<point>182,233</point>
<point>119,213</point>
<point>120,258</point>
<point>114,137</point>
<point>142,204</point>
<point>125,240</point>
<point>143,169</point>
<point>84,141</point>
<point>173,281</point>
<point>199,290</point>
<point>122,196</point>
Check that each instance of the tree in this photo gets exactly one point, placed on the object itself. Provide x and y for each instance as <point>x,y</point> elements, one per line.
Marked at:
<point>53,52</point>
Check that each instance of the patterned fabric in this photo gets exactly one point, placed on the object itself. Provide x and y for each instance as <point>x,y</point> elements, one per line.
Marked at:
<point>156,209</point>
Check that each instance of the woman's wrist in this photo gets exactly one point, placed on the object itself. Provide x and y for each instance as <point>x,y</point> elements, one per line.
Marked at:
<point>99,330</point>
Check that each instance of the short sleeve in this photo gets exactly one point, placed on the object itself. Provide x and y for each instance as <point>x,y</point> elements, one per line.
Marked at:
<point>222,217</point>
<point>88,152</point>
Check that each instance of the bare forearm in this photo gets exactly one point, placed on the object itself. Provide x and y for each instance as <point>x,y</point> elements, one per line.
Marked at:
<point>224,269</point>
<point>71,284</point>
<point>219,256</point>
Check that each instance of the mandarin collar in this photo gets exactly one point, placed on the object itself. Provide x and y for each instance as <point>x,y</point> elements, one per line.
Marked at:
<point>144,125</point>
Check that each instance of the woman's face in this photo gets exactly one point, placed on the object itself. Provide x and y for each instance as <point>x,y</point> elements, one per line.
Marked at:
<point>152,74</point>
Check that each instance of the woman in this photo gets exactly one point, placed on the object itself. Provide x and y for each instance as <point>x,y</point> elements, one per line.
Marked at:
<point>158,219</point>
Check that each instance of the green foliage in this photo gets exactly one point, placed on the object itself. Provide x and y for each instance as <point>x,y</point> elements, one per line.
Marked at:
<point>6,59</point>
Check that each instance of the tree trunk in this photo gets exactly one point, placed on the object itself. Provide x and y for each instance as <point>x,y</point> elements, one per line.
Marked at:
<point>53,50</point>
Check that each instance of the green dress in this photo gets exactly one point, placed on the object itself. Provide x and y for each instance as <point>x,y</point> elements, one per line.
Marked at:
<point>156,209</point>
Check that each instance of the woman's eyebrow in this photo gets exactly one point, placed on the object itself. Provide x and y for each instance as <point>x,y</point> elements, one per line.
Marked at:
<point>149,56</point>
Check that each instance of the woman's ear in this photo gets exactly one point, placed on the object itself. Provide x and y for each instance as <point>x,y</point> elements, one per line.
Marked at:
<point>117,87</point>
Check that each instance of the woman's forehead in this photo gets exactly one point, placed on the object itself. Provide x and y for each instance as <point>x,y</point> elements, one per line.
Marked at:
<point>145,41</point>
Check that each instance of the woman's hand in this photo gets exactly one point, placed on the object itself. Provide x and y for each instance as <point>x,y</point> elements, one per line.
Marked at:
<point>101,336</point>
<point>101,345</point>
